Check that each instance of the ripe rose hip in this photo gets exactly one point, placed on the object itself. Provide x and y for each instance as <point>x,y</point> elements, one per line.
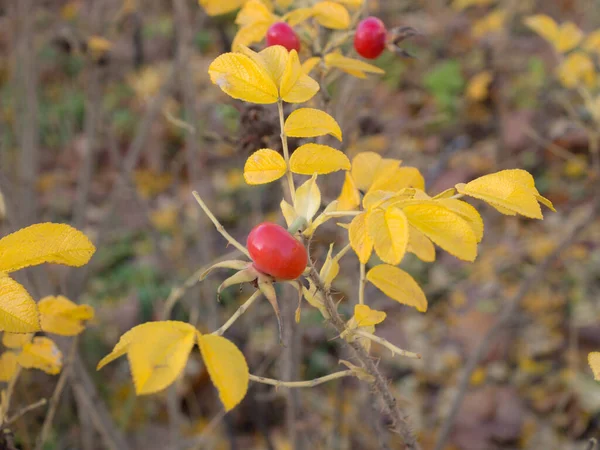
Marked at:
<point>370,37</point>
<point>276,252</point>
<point>281,33</point>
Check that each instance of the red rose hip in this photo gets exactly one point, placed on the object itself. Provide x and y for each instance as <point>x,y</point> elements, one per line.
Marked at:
<point>281,33</point>
<point>276,252</point>
<point>370,37</point>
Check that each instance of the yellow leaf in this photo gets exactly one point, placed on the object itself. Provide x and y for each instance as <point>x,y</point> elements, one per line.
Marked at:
<point>445,228</point>
<point>242,78</point>
<point>16,340</point>
<point>263,166</point>
<point>321,218</point>
<point>398,285</point>
<point>594,361</point>
<point>361,242</point>
<point>575,69</point>
<point>364,166</point>
<point>41,353</point>
<point>365,316</point>
<point>254,11</point>
<point>592,42</point>
<point>227,368</point>
<point>8,366</point>
<point>349,198</point>
<point>44,242</point>
<point>297,16</point>
<point>314,298</point>
<point>467,212</point>
<point>59,315</point>
<point>389,231</point>
<point>354,67</point>
<point>564,37</point>
<point>543,25</point>
<point>217,7</point>
<point>310,64</point>
<point>296,87</point>
<point>249,34</point>
<point>491,23</point>
<point>274,59</point>
<point>385,175</point>
<point>289,214</point>
<point>420,245</point>
<point>512,190</point>
<point>459,5</point>
<point>18,311</point>
<point>308,199</point>
<point>309,122</point>
<point>330,269</point>
<point>331,15</point>
<point>478,87</point>
<point>157,353</point>
<point>98,45</point>
<point>309,159</point>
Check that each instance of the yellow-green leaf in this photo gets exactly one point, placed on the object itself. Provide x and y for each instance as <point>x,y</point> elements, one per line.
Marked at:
<point>364,166</point>
<point>263,166</point>
<point>360,240</point>
<point>331,15</point>
<point>389,231</point>
<point>445,228</point>
<point>420,245</point>
<point>18,311</point>
<point>594,361</point>
<point>316,158</point>
<point>41,353</point>
<point>310,122</point>
<point>398,285</point>
<point>349,198</point>
<point>354,67</point>
<point>467,212</point>
<point>242,78</point>
<point>308,199</point>
<point>8,366</point>
<point>59,315</point>
<point>365,316</point>
<point>216,7</point>
<point>508,189</point>
<point>15,340</point>
<point>227,368</point>
<point>44,243</point>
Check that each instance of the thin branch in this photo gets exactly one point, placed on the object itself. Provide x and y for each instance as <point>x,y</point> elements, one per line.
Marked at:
<point>241,310</point>
<point>286,153</point>
<point>219,227</point>
<point>387,344</point>
<point>302,384</point>
<point>361,285</point>
<point>512,307</point>
<point>25,410</point>
<point>5,405</point>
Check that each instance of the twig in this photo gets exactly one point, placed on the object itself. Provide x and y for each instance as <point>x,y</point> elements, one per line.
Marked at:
<point>9,393</point>
<point>25,410</point>
<point>241,310</point>
<point>591,445</point>
<point>512,306</point>
<point>302,384</point>
<point>286,153</point>
<point>361,285</point>
<point>387,344</point>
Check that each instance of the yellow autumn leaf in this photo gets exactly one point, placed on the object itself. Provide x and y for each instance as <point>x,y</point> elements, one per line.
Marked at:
<point>478,87</point>
<point>575,69</point>
<point>330,269</point>
<point>443,227</point>
<point>44,243</point>
<point>398,285</point>
<point>296,87</point>
<point>263,166</point>
<point>389,231</point>
<point>253,11</point>
<point>349,198</point>
<point>365,316</point>
<point>467,212</point>
<point>227,368</point>
<point>41,353</point>
<point>242,78</point>
<point>250,34</point>
<point>18,311</point>
<point>511,190</point>
<point>308,199</point>
<point>420,245</point>
<point>309,159</point>
<point>310,64</point>
<point>543,25</point>
<point>8,366</point>
<point>217,7</point>
<point>331,15</point>
<point>157,353</point>
<point>594,361</point>
<point>61,316</point>
<point>592,42</point>
<point>15,340</point>
<point>385,175</point>
<point>563,37</point>
<point>98,45</point>
<point>298,16</point>
<point>354,67</point>
<point>364,166</point>
<point>360,240</point>
<point>310,122</point>
<point>289,214</point>
<point>491,23</point>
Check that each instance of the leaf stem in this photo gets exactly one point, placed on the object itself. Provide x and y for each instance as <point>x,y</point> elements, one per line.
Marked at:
<point>361,285</point>
<point>241,310</point>
<point>387,344</point>
<point>342,252</point>
<point>343,213</point>
<point>302,384</point>
<point>218,226</point>
<point>286,153</point>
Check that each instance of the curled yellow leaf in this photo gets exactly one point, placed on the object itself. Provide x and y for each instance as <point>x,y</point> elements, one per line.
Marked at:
<point>41,353</point>
<point>263,166</point>
<point>354,67</point>
<point>308,199</point>
<point>365,316</point>
<point>310,122</point>
<point>349,198</point>
<point>309,159</point>
<point>398,285</point>
<point>59,315</point>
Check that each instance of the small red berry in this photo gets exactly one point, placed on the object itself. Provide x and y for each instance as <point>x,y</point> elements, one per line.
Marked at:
<point>276,252</point>
<point>281,33</point>
<point>370,37</point>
